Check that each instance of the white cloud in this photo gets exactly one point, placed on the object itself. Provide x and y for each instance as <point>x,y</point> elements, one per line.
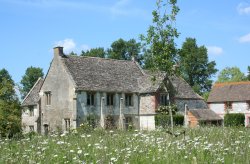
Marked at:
<point>67,44</point>
<point>214,50</point>
<point>70,45</point>
<point>243,8</point>
<point>245,38</point>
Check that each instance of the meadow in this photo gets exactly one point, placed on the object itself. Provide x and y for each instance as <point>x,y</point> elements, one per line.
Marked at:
<point>200,145</point>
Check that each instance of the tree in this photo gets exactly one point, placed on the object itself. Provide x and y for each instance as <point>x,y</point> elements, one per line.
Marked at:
<point>195,68</point>
<point>248,73</point>
<point>231,74</point>
<point>95,52</point>
<point>10,113</point>
<point>29,79</point>
<point>125,50</point>
<point>159,41</point>
<point>72,53</point>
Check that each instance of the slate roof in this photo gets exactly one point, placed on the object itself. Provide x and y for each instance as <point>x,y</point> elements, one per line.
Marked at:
<point>98,74</point>
<point>231,91</point>
<point>205,114</point>
<point>33,96</point>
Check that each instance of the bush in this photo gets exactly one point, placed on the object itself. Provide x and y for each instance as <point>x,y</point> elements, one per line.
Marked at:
<point>165,120</point>
<point>234,119</point>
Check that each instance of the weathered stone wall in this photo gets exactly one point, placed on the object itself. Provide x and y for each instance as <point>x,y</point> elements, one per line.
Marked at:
<point>63,100</point>
<point>192,104</point>
<point>28,120</point>
<point>84,110</point>
<point>147,111</point>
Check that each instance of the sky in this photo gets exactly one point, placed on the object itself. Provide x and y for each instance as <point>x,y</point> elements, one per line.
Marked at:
<point>29,29</point>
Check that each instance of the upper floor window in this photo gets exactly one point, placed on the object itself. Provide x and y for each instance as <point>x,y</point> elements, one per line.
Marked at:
<point>248,105</point>
<point>163,99</point>
<point>229,105</point>
<point>31,111</point>
<point>128,99</point>
<point>90,98</point>
<point>48,98</point>
<point>110,99</point>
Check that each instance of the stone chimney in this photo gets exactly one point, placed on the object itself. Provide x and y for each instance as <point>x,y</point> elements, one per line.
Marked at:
<point>58,51</point>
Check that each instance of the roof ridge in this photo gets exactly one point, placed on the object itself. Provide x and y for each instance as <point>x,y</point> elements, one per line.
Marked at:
<point>122,60</point>
<point>40,78</point>
<point>221,84</point>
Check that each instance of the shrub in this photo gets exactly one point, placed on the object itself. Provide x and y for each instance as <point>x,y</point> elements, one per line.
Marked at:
<point>234,119</point>
<point>165,120</point>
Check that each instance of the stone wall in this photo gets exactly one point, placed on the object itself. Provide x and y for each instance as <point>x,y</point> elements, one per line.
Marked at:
<point>28,120</point>
<point>84,110</point>
<point>63,102</point>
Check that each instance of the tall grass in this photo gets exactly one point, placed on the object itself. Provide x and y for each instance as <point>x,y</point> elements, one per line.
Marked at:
<point>201,145</point>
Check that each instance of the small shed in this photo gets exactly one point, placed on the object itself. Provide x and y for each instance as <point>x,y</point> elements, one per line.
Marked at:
<point>203,117</point>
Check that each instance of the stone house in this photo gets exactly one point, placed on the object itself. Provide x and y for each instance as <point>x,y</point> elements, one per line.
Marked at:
<point>231,97</point>
<point>31,109</point>
<point>119,92</point>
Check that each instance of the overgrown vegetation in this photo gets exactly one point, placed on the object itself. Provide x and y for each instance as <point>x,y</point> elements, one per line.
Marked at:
<point>201,145</point>
<point>164,120</point>
<point>234,119</point>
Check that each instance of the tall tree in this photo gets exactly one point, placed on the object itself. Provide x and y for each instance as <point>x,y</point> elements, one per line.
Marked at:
<point>248,73</point>
<point>10,113</point>
<point>95,52</point>
<point>159,42</point>
<point>125,50</point>
<point>231,74</point>
<point>195,67</point>
<point>29,79</point>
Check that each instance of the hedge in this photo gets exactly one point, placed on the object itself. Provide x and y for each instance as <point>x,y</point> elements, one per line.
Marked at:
<point>165,120</point>
<point>234,119</point>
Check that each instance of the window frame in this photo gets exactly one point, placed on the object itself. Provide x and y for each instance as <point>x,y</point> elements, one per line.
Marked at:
<point>31,128</point>
<point>110,99</point>
<point>129,100</point>
<point>163,99</point>
<point>31,111</point>
<point>90,99</point>
<point>229,105</point>
<point>48,97</point>
<point>67,124</point>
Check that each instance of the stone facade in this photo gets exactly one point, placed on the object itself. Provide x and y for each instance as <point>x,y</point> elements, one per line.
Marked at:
<point>30,116</point>
<point>77,90</point>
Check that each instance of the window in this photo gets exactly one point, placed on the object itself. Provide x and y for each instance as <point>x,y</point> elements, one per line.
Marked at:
<point>90,98</point>
<point>228,105</point>
<point>31,111</point>
<point>110,99</point>
<point>67,124</point>
<point>129,100</point>
<point>48,98</point>
<point>31,128</point>
<point>164,99</point>
<point>248,105</point>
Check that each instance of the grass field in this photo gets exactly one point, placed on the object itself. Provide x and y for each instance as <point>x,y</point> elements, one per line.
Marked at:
<point>201,145</point>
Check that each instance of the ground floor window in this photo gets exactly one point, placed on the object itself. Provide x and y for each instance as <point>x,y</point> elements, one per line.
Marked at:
<point>31,128</point>
<point>128,122</point>
<point>46,129</point>
<point>67,124</point>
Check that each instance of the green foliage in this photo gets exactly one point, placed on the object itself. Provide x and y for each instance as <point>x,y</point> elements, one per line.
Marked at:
<point>207,145</point>
<point>248,73</point>
<point>231,74</point>
<point>234,119</point>
<point>159,42</point>
<point>95,52</point>
<point>125,50</point>
<point>29,79</point>
<point>72,53</point>
<point>195,68</point>
<point>10,113</point>
<point>164,120</point>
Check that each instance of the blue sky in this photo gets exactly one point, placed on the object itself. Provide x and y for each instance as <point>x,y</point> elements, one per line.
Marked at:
<point>29,29</point>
